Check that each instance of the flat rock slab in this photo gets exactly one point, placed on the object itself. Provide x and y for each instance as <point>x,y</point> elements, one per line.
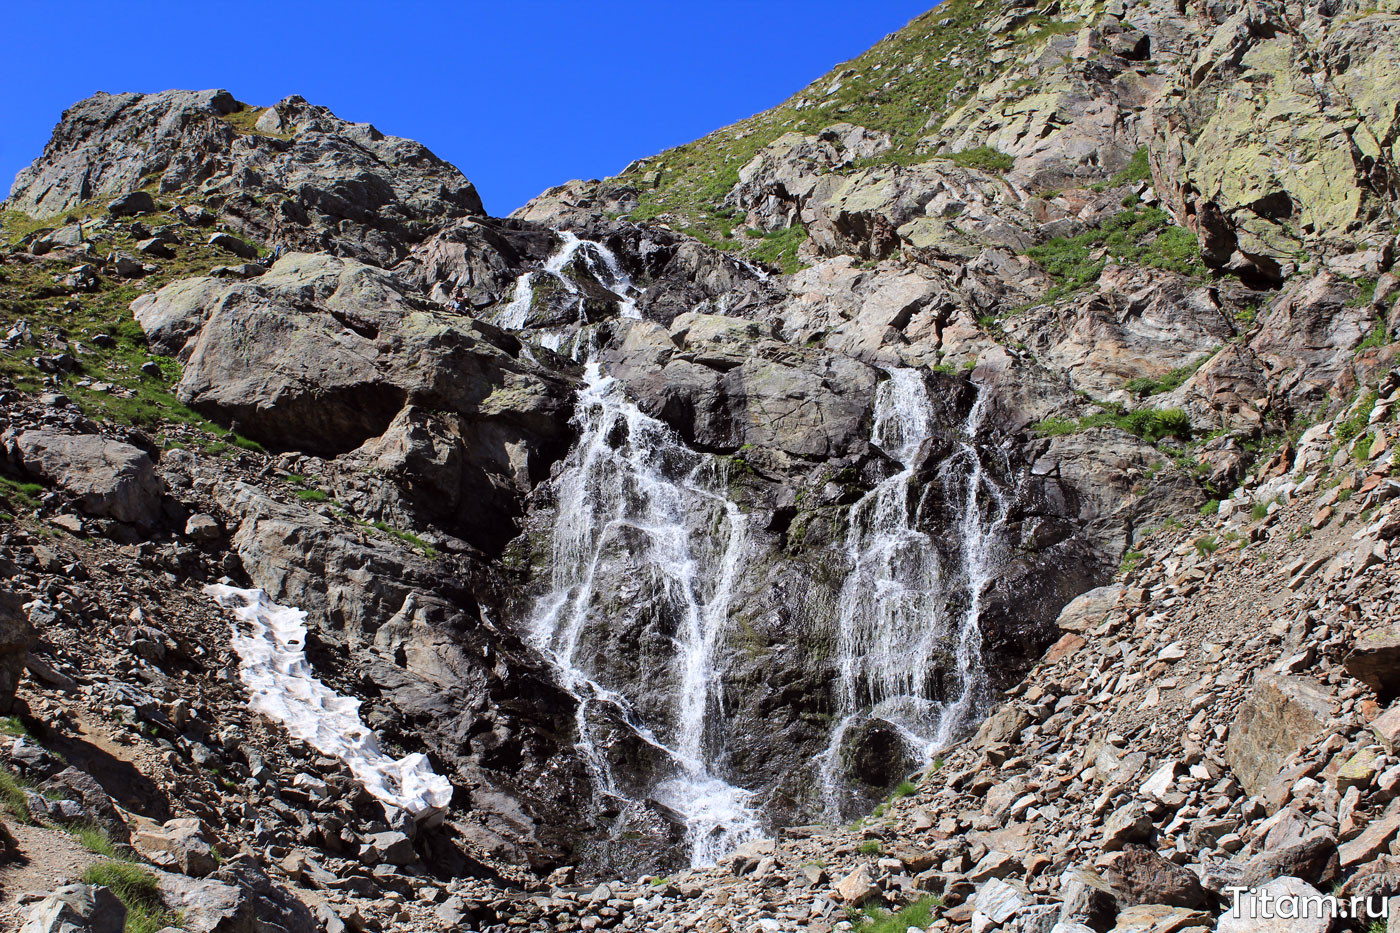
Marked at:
<point>110,479</point>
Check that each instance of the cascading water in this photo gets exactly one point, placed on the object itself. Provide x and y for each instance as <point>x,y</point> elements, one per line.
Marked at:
<point>600,262</point>
<point>620,511</point>
<point>897,626</point>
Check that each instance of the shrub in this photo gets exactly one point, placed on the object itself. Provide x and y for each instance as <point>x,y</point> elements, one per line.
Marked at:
<point>1211,507</point>
<point>869,847</point>
<point>1206,545</point>
<point>1258,511</point>
<point>905,789</point>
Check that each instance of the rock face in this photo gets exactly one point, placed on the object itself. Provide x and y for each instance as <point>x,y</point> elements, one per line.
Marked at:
<point>322,183</point>
<point>109,479</point>
<point>323,355</point>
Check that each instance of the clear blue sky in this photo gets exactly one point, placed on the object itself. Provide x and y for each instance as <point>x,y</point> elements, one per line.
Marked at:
<point>520,94</point>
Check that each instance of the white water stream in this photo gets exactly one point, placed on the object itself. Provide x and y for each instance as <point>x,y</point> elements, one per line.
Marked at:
<point>898,620</point>
<point>629,497</point>
<point>282,686</point>
<point>600,263</point>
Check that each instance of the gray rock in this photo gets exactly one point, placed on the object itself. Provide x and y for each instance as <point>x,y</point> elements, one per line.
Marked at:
<point>372,194</point>
<point>392,848</point>
<point>230,243</point>
<point>182,845</point>
<point>137,202</point>
<point>1139,875</point>
<point>110,479</point>
<point>16,635</point>
<point>77,908</point>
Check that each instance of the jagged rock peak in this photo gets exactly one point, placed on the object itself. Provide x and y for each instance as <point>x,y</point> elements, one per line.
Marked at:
<point>293,172</point>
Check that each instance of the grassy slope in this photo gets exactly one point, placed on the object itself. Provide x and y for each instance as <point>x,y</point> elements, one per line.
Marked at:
<point>922,72</point>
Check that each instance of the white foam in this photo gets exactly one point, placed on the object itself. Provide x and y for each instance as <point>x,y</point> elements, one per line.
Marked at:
<point>282,686</point>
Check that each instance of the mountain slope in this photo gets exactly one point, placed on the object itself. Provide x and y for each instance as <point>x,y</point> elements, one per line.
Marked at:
<point>651,549</point>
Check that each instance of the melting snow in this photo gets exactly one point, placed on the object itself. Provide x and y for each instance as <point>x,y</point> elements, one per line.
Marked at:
<point>281,686</point>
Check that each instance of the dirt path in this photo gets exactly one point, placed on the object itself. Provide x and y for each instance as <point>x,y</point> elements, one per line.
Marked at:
<point>50,858</point>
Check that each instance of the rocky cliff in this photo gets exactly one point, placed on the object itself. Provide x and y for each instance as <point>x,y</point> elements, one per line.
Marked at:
<point>690,505</point>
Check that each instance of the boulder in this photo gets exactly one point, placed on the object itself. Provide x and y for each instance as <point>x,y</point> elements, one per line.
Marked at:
<point>857,888</point>
<point>238,898</point>
<point>1087,610</point>
<point>232,244</point>
<point>393,848</point>
<point>1376,663</point>
<point>110,479</point>
<point>1159,918</point>
<point>137,202</point>
<point>182,845</point>
<point>1141,876</point>
<point>93,804</point>
<point>77,908</point>
<point>1281,714</point>
<point>16,635</point>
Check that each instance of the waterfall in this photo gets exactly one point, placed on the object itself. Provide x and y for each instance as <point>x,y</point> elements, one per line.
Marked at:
<point>635,501</point>
<point>899,627</point>
<point>600,262</point>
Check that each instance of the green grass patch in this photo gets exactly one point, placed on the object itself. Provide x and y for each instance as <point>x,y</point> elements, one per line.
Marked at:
<point>1136,170</point>
<point>407,537</point>
<point>94,838</point>
<point>779,248</point>
<point>1350,428</point>
<point>1130,561</point>
<point>13,725</point>
<point>137,888</point>
<point>1211,507</point>
<point>905,789</point>
<point>919,914</point>
<point>869,847</point>
<point>312,495</point>
<point>20,495</point>
<point>1150,424</point>
<point>1143,235</point>
<point>1144,386</point>
<point>1207,545</point>
<point>983,158</point>
<point>12,798</point>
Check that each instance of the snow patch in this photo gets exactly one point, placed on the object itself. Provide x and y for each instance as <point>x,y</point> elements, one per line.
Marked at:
<point>281,686</point>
